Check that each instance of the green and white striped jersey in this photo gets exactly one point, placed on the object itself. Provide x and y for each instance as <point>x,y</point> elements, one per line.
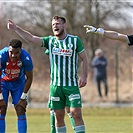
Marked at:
<point>63,55</point>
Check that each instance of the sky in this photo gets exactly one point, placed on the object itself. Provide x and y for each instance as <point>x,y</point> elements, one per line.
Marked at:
<point>12,0</point>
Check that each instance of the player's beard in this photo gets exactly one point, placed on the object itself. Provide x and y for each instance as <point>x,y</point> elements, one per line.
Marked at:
<point>60,33</point>
<point>13,59</point>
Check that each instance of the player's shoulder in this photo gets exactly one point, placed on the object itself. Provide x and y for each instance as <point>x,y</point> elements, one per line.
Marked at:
<point>48,37</point>
<point>4,54</point>
<point>25,55</point>
<point>24,52</point>
<point>77,38</point>
<point>4,50</point>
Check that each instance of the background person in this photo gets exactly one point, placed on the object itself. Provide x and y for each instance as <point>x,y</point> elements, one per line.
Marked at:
<point>99,64</point>
<point>16,79</point>
<point>64,50</point>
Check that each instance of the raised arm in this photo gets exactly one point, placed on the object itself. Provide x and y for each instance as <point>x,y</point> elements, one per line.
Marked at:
<point>24,34</point>
<point>109,34</point>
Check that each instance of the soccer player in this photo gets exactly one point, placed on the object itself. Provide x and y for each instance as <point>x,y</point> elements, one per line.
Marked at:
<point>64,50</point>
<point>128,39</point>
<point>16,79</point>
<point>52,116</point>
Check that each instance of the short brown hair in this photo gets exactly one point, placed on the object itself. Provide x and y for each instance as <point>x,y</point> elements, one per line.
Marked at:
<point>59,17</point>
<point>15,43</point>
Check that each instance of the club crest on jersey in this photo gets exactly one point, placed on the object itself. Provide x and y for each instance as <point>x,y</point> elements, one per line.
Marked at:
<point>55,44</point>
<point>60,51</point>
<point>19,63</point>
<point>70,45</point>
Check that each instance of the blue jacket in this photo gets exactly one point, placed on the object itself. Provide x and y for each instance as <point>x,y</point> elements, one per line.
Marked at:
<point>99,65</point>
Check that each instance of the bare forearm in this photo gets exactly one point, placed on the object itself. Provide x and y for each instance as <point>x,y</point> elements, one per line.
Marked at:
<point>28,36</point>
<point>115,36</point>
<point>83,79</point>
<point>24,34</point>
<point>109,34</point>
<point>27,86</point>
<point>28,82</point>
<point>85,68</point>
<point>84,59</point>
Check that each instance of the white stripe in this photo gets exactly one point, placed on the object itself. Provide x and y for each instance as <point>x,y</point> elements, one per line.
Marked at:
<point>64,66</point>
<point>69,64</point>
<point>55,69</point>
<point>58,70</point>
<point>50,57</point>
<point>59,66</point>
<point>74,62</point>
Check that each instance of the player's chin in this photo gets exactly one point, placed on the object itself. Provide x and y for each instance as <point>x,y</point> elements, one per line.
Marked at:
<point>13,59</point>
<point>57,34</point>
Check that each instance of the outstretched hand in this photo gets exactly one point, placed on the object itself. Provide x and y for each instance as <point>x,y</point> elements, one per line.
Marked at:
<point>93,29</point>
<point>90,28</point>
<point>11,25</point>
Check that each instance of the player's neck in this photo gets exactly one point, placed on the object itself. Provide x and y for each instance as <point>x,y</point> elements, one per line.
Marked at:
<point>62,36</point>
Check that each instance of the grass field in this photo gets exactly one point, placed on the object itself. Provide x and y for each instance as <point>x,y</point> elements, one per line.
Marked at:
<point>97,120</point>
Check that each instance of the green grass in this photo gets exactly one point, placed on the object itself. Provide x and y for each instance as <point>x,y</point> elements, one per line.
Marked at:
<point>97,120</point>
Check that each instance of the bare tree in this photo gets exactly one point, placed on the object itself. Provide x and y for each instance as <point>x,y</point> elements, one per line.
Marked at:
<point>36,16</point>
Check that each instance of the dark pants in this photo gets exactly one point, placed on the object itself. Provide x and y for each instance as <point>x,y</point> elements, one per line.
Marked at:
<point>98,82</point>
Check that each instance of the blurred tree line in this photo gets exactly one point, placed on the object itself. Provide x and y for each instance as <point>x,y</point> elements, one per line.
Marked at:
<point>35,16</point>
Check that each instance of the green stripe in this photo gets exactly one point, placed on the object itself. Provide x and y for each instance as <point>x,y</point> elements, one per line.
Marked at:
<point>68,67</point>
